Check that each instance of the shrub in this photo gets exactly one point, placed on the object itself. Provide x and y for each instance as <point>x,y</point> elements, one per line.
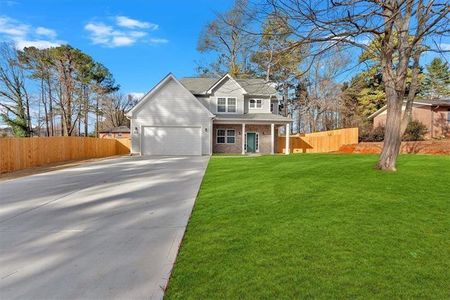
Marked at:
<point>372,134</point>
<point>415,131</point>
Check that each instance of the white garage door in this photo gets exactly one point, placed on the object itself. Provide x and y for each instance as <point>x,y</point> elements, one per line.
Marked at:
<point>161,140</point>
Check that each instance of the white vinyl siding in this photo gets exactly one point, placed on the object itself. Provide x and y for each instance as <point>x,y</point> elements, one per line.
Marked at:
<point>257,104</point>
<point>227,89</point>
<point>172,105</point>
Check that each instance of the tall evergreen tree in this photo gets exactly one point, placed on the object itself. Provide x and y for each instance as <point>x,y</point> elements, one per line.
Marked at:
<point>436,84</point>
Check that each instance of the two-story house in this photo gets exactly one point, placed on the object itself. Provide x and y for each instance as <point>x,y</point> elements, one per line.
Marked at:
<point>201,116</point>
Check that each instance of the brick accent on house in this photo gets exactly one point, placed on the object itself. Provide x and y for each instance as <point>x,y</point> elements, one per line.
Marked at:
<point>264,138</point>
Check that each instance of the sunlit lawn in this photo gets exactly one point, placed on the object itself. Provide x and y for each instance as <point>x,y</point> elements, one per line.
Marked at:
<point>318,226</point>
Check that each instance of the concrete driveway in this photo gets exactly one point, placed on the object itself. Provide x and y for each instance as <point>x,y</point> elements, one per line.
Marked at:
<point>102,230</point>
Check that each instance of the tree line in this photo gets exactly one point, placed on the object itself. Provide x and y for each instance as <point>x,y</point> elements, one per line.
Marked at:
<point>57,92</point>
<point>303,47</point>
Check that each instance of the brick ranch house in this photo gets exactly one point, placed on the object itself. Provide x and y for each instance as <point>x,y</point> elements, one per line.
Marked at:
<point>120,132</point>
<point>434,114</point>
<point>201,116</point>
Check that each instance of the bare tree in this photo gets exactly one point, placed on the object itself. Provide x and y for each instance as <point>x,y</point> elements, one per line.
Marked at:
<point>14,97</point>
<point>227,37</point>
<point>402,27</point>
<point>113,109</point>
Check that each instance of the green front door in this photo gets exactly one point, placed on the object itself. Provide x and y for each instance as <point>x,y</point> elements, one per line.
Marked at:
<point>251,142</point>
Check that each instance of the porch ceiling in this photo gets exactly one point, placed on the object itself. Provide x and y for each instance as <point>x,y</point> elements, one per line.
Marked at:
<point>262,118</point>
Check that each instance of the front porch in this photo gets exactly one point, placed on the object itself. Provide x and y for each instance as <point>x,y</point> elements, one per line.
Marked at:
<point>246,138</point>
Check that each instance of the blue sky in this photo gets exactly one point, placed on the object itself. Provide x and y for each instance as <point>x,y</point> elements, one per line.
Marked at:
<point>139,41</point>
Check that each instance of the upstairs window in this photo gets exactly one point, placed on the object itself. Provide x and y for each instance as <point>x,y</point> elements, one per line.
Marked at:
<point>255,103</point>
<point>226,105</point>
<point>221,105</point>
<point>231,104</point>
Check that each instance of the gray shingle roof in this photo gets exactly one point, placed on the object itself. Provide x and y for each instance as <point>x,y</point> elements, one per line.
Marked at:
<point>253,86</point>
<point>198,85</point>
<point>256,86</point>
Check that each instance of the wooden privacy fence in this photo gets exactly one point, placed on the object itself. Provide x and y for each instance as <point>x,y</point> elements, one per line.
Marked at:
<point>319,142</point>
<point>22,153</point>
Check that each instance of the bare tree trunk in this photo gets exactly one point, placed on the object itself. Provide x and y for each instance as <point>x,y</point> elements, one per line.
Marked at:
<point>96,116</point>
<point>86,113</point>
<point>50,107</point>
<point>392,139</point>
<point>47,129</point>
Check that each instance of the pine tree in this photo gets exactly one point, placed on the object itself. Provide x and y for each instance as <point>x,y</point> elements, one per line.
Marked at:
<point>436,84</point>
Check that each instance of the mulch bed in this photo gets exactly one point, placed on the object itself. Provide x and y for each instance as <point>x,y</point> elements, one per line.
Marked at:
<point>419,147</point>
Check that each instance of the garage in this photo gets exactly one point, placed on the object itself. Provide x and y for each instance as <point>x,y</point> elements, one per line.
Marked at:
<point>171,140</point>
<point>170,120</point>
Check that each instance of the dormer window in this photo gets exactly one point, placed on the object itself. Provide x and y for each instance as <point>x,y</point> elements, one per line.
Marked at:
<point>255,103</point>
<point>226,105</point>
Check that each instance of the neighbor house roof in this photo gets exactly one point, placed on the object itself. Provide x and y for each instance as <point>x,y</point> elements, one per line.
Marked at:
<point>252,86</point>
<point>420,102</point>
<point>120,129</point>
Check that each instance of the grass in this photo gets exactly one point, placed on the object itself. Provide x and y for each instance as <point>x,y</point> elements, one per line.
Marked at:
<point>318,226</point>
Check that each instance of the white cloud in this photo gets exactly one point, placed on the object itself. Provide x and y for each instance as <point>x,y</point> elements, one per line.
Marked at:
<point>118,41</point>
<point>445,46</point>
<point>40,44</point>
<point>120,34</point>
<point>127,22</point>
<point>24,35</point>
<point>158,41</point>
<point>46,32</point>
<point>13,28</point>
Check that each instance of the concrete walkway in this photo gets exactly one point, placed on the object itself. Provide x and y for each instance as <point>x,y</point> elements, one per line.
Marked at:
<point>103,230</point>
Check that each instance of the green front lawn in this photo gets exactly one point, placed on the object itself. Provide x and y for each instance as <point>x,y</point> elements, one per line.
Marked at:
<point>318,226</point>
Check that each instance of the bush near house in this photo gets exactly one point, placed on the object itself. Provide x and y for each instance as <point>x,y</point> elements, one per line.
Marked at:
<point>415,131</point>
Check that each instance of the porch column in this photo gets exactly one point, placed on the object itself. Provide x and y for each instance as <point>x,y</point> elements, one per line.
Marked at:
<point>243,138</point>
<point>288,131</point>
<point>272,138</point>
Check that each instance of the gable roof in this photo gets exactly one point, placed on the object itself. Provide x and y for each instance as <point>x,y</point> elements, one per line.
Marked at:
<point>421,102</point>
<point>226,76</point>
<point>251,86</point>
<point>198,85</point>
<point>150,93</point>
<point>120,129</point>
<point>257,86</point>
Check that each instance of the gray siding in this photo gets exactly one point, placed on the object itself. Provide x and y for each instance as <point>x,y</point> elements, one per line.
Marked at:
<point>171,105</point>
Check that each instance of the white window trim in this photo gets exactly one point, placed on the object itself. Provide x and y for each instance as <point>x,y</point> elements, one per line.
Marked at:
<point>217,105</point>
<point>226,105</point>
<point>256,141</point>
<point>225,136</point>
<point>256,104</point>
